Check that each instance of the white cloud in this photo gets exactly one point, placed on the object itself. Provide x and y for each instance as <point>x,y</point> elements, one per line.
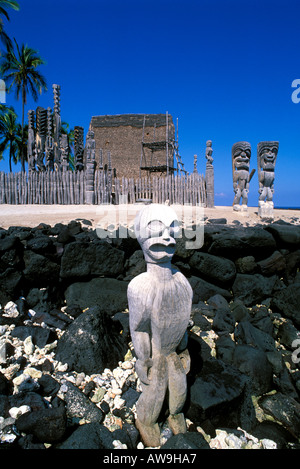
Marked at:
<point>221,194</point>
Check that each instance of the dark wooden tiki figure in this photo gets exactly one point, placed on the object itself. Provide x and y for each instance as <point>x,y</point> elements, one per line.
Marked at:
<point>240,155</point>
<point>266,161</point>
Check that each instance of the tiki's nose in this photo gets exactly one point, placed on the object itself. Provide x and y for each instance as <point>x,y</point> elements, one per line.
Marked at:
<point>166,234</point>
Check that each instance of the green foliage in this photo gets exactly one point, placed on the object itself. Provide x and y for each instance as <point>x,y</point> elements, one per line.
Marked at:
<point>8,3</point>
<point>65,129</point>
<point>4,4</point>
<point>10,135</point>
<point>19,70</point>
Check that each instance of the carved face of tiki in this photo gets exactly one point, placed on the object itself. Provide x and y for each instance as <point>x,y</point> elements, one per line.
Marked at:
<point>156,228</point>
<point>241,154</point>
<point>267,154</point>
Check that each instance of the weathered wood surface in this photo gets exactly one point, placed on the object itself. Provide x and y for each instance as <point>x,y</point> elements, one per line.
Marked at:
<point>69,188</point>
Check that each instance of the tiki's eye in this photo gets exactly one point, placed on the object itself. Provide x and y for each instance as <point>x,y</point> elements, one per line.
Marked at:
<point>174,228</point>
<point>156,227</point>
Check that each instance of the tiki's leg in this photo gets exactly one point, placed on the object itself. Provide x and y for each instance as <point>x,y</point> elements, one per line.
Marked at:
<point>236,200</point>
<point>237,197</point>
<point>263,194</point>
<point>177,393</point>
<point>245,197</point>
<point>269,195</point>
<point>150,403</point>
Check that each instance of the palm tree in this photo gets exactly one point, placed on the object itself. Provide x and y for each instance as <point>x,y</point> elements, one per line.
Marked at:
<point>3,109</point>
<point>19,69</point>
<point>10,135</point>
<point>21,144</point>
<point>4,4</point>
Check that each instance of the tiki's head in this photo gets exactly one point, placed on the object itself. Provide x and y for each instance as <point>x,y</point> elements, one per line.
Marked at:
<point>241,154</point>
<point>156,228</point>
<point>267,154</point>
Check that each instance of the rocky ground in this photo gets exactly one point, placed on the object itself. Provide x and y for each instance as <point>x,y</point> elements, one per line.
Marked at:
<point>67,377</point>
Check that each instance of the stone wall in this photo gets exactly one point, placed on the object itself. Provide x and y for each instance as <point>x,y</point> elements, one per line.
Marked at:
<point>245,369</point>
<point>122,135</point>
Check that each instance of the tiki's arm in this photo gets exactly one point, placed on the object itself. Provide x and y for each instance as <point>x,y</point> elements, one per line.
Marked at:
<point>261,179</point>
<point>235,181</point>
<point>182,348</point>
<point>183,353</point>
<point>140,328</point>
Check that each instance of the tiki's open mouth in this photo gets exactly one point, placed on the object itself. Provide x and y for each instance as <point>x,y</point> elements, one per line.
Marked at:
<point>168,248</point>
<point>242,163</point>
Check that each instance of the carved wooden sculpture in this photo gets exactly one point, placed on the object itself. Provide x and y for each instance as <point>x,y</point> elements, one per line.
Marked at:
<point>101,159</point>
<point>90,167</point>
<point>49,146</point>
<point>241,154</point>
<point>209,175</point>
<point>31,141</point>
<point>41,132</point>
<point>78,147</point>
<point>57,126</point>
<point>64,152</point>
<point>266,161</point>
<point>209,152</point>
<point>159,310</point>
<point>45,139</point>
<point>195,164</point>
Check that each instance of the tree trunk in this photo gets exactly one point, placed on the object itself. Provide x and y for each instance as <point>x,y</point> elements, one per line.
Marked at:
<point>10,156</point>
<point>22,135</point>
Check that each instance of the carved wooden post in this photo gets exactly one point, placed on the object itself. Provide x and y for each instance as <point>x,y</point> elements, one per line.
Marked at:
<point>57,125</point>
<point>101,159</point>
<point>41,132</point>
<point>78,148</point>
<point>49,147</point>
<point>109,177</point>
<point>195,165</point>
<point>266,161</point>
<point>209,176</point>
<point>159,311</point>
<point>90,168</point>
<point>64,152</point>
<point>31,141</point>
<point>240,156</point>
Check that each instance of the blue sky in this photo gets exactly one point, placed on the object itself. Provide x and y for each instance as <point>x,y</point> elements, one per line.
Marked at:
<point>224,68</point>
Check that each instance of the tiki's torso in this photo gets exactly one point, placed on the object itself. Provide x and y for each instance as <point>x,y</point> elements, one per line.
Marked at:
<point>242,177</point>
<point>167,307</point>
<point>267,178</point>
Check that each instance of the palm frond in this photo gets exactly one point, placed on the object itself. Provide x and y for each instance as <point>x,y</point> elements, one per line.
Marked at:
<point>19,68</point>
<point>4,4</point>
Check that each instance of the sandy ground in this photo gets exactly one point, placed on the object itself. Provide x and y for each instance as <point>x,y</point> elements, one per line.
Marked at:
<point>33,215</point>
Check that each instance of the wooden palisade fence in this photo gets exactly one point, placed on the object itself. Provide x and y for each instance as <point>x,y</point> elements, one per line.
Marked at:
<point>68,188</point>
